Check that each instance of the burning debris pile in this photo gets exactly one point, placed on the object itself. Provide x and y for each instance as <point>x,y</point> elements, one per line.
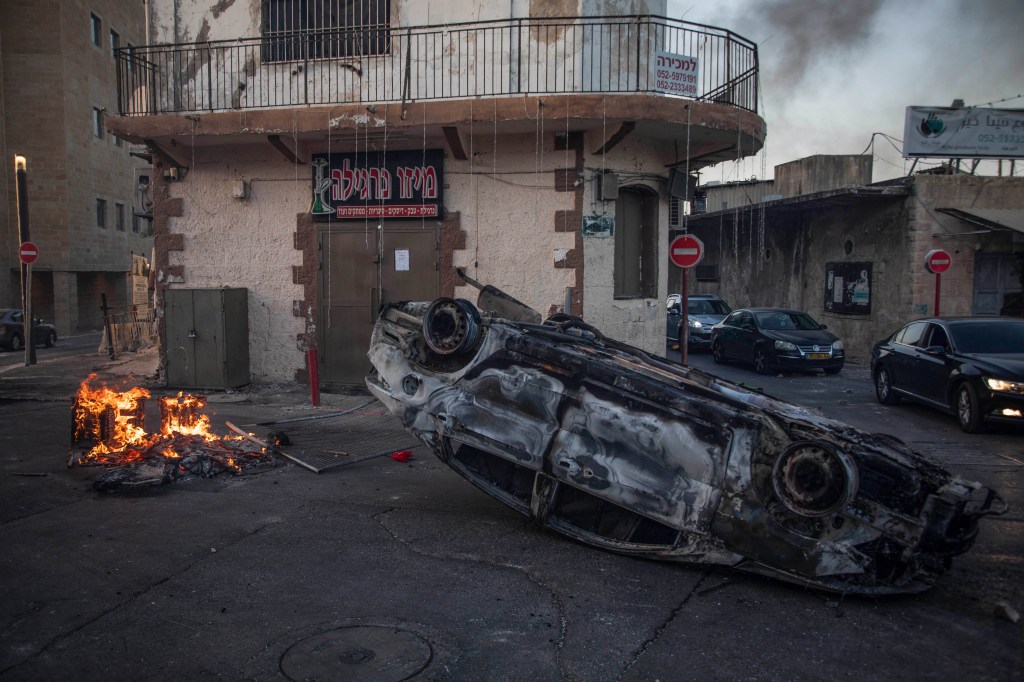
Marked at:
<point>108,428</point>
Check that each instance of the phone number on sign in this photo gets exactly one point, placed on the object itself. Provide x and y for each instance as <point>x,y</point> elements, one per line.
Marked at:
<point>676,76</point>
<point>1001,139</point>
<point>677,88</point>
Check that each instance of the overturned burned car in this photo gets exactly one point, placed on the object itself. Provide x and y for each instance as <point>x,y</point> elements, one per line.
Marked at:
<point>604,443</point>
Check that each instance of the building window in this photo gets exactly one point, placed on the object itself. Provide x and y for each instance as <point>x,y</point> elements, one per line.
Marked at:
<point>119,217</point>
<point>96,27</point>
<point>325,29</point>
<point>101,212</point>
<point>636,244</point>
<point>97,122</point>
<point>115,42</point>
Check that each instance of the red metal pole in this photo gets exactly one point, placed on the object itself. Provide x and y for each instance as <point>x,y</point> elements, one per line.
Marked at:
<point>938,288</point>
<point>314,376</point>
<point>684,325</point>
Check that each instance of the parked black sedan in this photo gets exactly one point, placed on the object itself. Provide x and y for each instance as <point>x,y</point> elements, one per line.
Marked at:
<point>12,328</point>
<point>972,367</point>
<point>777,339</point>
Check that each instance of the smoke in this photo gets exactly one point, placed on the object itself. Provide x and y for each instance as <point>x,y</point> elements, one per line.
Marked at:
<point>796,35</point>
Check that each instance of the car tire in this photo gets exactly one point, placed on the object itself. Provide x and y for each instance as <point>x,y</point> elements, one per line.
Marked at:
<point>51,339</point>
<point>761,365</point>
<point>968,409</point>
<point>16,343</point>
<point>716,352</point>
<point>883,387</point>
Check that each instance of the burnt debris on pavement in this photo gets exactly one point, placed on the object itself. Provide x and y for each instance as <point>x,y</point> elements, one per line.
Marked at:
<point>108,430</point>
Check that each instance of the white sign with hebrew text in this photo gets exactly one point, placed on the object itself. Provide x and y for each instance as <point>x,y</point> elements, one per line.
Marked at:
<point>676,74</point>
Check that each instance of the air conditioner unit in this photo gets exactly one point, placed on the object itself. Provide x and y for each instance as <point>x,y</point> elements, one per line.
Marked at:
<point>675,211</point>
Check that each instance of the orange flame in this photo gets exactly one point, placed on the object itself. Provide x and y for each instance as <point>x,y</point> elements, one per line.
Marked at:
<point>112,424</point>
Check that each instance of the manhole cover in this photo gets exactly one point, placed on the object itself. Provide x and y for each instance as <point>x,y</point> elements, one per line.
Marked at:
<point>357,653</point>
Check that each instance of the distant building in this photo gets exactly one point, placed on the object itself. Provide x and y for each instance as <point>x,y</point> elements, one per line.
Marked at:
<point>851,252</point>
<point>328,163</point>
<point>58,86</point>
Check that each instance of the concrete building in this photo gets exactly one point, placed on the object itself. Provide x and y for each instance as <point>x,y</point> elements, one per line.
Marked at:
<point>328,161</point>
<point>852,253</point>
<point>57,87</point>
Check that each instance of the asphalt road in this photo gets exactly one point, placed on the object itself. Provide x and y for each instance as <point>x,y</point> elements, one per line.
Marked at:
<point>382,570</point>
<point>72,346</point>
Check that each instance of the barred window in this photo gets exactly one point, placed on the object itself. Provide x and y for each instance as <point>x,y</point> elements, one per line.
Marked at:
<point>325,29</point>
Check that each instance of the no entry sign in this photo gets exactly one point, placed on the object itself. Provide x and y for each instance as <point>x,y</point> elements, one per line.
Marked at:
<point>937,261</point>
<point>28,253</point>
<point>686,251</point>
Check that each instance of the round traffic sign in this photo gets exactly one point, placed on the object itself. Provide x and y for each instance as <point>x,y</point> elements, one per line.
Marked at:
<point>686,251</point>
<point>937,261</point>
<point>28,253</point>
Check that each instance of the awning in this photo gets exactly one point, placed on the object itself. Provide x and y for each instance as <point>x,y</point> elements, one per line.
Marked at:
<point>992,218</point>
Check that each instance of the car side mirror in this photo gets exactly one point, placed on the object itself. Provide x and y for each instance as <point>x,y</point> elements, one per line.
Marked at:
<point>824,326</point>
<point>935,350</point>
<point>747,327</point>
<point>675,308</point>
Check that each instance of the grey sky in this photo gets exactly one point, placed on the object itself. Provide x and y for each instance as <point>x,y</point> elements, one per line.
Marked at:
<point>835,71</point>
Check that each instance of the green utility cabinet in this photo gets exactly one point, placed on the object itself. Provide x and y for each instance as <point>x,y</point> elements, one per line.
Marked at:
<point>207,338</point>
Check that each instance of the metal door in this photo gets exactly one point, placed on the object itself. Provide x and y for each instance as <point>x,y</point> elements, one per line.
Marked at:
<point>194,346</point>
<point>360,269</point>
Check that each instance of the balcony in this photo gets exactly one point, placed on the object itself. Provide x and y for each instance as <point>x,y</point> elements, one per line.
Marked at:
<point>494,59</point>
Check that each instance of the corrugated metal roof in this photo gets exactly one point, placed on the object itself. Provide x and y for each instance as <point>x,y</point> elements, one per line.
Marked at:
<point>833,197</point>
<point>992,218</point>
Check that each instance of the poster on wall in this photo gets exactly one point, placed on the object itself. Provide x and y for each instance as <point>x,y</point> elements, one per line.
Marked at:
<point>377,184</point>
<point>598,226</point>
<point>848,288</point>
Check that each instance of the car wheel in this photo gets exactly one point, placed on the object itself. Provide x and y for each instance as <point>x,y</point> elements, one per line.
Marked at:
<point>883,387</point>
<point>16,342</point>
<point>968,411</point>
<point>51,339</point>
<point>716,352</point>
<point>761,361</point>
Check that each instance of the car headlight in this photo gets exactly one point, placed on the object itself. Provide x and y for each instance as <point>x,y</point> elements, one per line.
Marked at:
<point>837,345</point>
<point>694,324</point>
<point>1004,386</point>
<point>784,345</point>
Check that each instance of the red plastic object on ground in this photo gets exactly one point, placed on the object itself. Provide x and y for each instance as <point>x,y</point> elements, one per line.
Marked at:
<point>401,455</point>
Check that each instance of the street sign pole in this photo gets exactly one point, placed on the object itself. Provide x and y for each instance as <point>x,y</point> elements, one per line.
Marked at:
<point>684,326</point>
<point>685,251</point>
<point>21,192</point>
<point>937,261</point>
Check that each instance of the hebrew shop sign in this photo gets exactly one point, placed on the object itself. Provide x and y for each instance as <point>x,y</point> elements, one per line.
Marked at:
<point>394,184</point>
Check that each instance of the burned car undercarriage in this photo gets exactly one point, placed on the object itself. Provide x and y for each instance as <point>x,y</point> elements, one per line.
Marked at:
<point>604,443</point>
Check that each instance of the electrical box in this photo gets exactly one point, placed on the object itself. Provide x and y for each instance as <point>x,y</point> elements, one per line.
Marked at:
<point>607,186</point>
<point>207,338</point>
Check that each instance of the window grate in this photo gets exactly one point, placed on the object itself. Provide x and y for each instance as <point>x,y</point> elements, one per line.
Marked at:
<point>325,29</point>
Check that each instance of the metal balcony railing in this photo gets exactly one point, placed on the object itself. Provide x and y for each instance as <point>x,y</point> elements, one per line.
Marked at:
<point>479,59</point>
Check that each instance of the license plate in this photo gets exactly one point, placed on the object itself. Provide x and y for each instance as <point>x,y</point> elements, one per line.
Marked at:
<point>818,356</point>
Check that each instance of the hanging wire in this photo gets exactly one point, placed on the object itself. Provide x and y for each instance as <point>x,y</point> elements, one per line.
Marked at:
<point>998,101</point>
